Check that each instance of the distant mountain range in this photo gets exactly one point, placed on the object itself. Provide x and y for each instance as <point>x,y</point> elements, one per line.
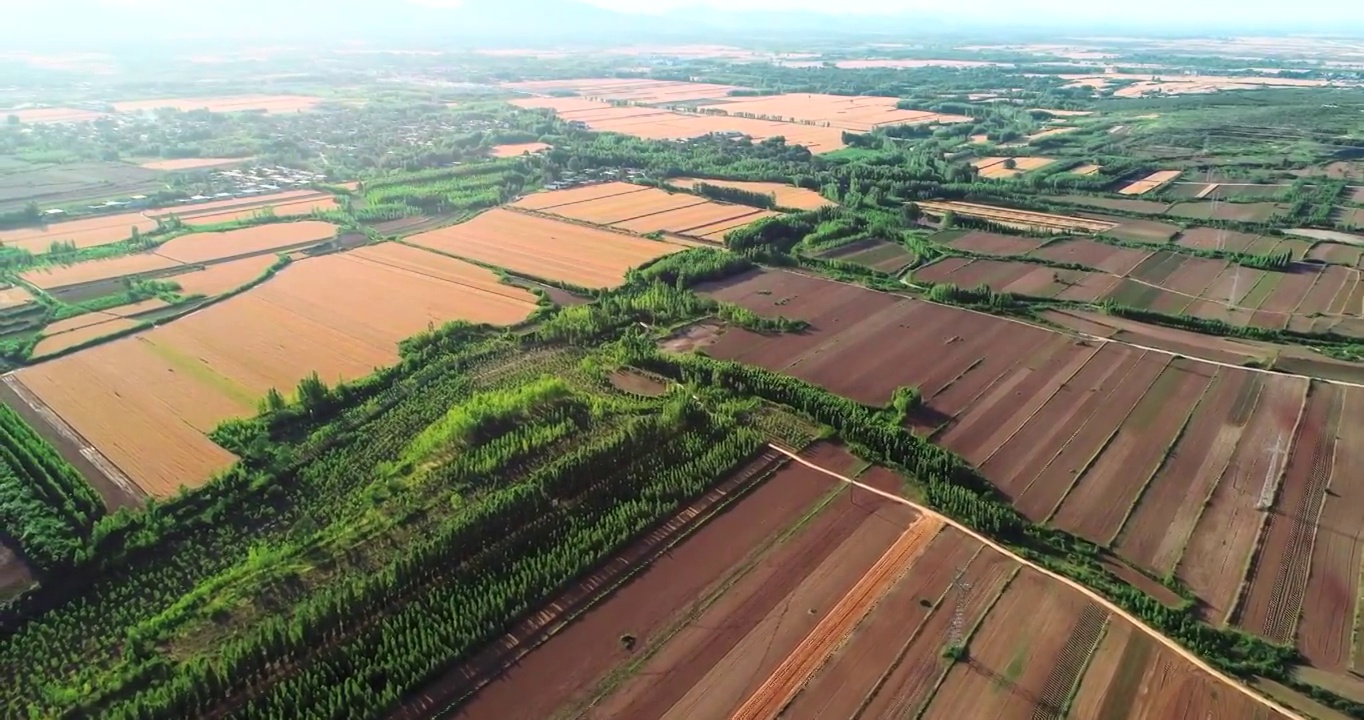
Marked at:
<point>128,22</point>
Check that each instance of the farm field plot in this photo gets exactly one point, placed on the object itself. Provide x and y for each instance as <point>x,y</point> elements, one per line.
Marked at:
<point>632,89</point>
<point>284,204</point>
<point>222,277</point>
<point>1151,207</point>
<point>657,124</point>
<point>1144,231</point>
<point>631,206</point>
<point>996,168</point>
<point>41,116</point>
<point>859,113</point>
<point>1025,279</point>
<point>1150,182</point>
<point>1278,577</point>
<point>146,401</point>
<point>986,243</point>
<point>1203,238</point>
<point>1086,169</point>
<point>518,149</point>
<point>14,296</point>
<point>549,199</point>
<point>545,248</point>
<point>226,103</point>
<point>90,232</point>
<point>1244,212</point>
<point>716,232</point>
<point>58,341</point>
<point>1326,630</point>
<point>196,163</point>
<point>876,254</point>
<point>62,276</point>
<point>1335,253</point>
<point>56,185</point>
<point>1215,556</point>
<point>1108,258</point>
<point>1020,219</point>
<point>796,198</point>
<point>209,247</point>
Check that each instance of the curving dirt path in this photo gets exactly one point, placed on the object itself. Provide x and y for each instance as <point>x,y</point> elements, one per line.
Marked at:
<point>1175,647</point>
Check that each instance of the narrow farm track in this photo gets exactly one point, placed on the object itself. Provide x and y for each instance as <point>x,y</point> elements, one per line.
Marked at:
<point>1094,596</point>
<point>808,657</point>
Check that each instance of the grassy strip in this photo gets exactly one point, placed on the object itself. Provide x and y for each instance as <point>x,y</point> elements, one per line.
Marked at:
<point>1164,460</point>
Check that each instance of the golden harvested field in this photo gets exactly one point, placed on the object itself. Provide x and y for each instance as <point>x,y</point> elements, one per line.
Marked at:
<point>206,247</point>
<point>787,195</point>
<point>632,89</point>
<point>57,342</point>
<point>545,248</point>
<point>518,149</point>
<point>191,163</point>
<point>994,168</point>
<point>67,275</point>
<point>1022,219</point>
<point>688,219</point>
<point>716,232</point>
<point>146,401</point>
<point>38,116</point>
<point>90,232</point>
<point>148,419</point>
<point>628,206</point>
<point>1150,182</point>
<point>231,103</point>
<point>655,124</point>
<point>222,277</point>
<point>549,199</point>
<point>859,113</point>
<point>14,296</point>
<point>1086,169</point>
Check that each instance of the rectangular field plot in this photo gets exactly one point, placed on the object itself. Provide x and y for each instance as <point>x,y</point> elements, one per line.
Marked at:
<point>62,276</point>
<point>787,196</point>
<point>872,253</point>
<point>1150,182</point>
<point>546,248</point>
<point>291,203</point>
<point>1108,258</point>
<point>222,277</point>
<point>987,243</point>
<point>146,401</point>
<point>555,198</point>
<point>207,247</point>
<point>91,232</point>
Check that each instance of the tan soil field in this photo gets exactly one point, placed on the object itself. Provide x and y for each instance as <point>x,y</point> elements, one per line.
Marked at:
<point>137,308</point>
<point>719,229</point>
<point>90,232</point>
<point>1086,169</point>
<point>15,296</point>
<point>146,401</point>
<point>618,209</point>
<point>1051,132</point>
<point>787,196</point>
<point>222,277</point>
<point>1017,218</point>
<point>688,219</point>
<point>233,103</point>
<point>631,89</point>
<point>56,343</point>
<point>39,116</point>
<point>554,198</point>
<point>545,248</point>
<point>78,322</point>
<point>1150,182</point>
<point>858,113</point>
<point>191,163</point>
<point>665,125</point>
<point>67,275</point>
<point>993,168</point>
<point>207,247</point>
<point>518,149</point>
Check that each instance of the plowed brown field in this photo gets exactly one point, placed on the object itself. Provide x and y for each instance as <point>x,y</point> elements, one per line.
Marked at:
<point>61,276</point>
<point>545,248</point>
